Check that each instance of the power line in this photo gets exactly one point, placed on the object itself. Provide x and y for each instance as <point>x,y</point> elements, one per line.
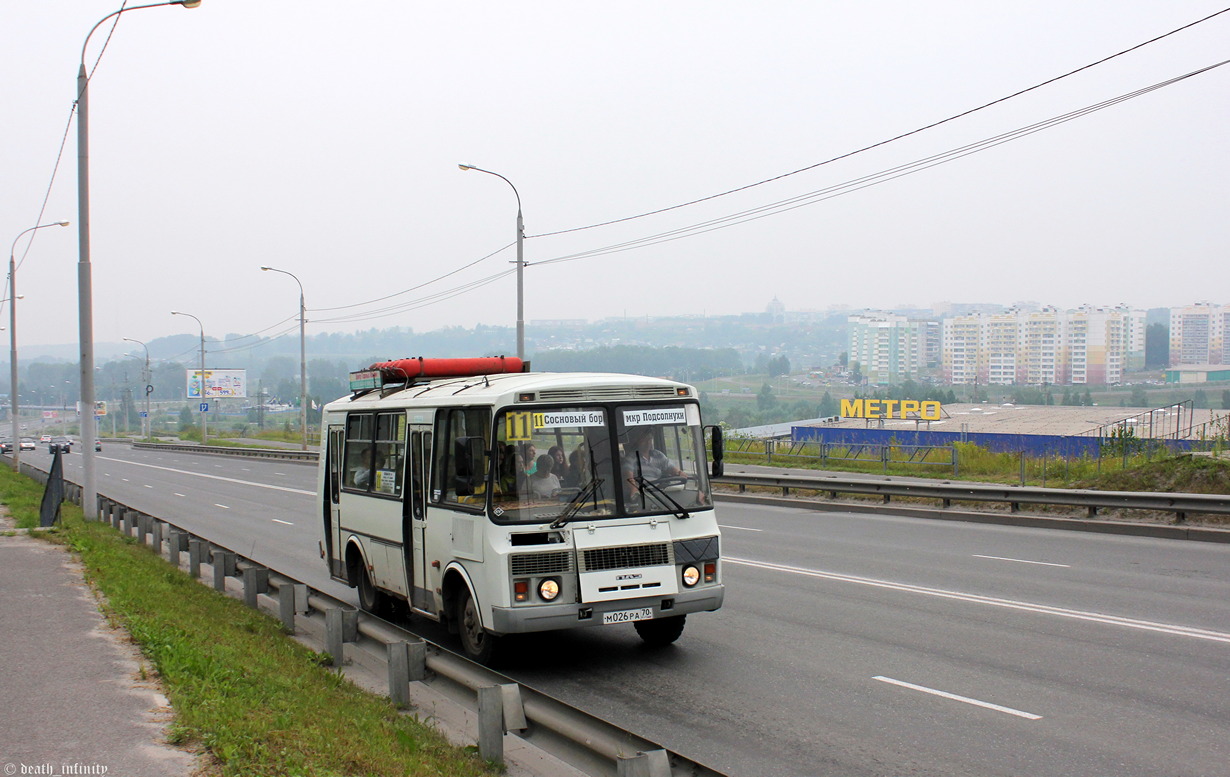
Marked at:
<point>808,198</point>
<point>882,142</point>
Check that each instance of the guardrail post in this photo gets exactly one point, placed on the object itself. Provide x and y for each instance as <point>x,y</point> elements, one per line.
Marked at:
<point>143,527</point>
<point>117,515</point>
<point>224,567</point>
<point>196,549</point>
<point>491,724</point>
<point>417,666</point>
<point>156,530</point>
<point>286,606</point>
<point>341,626</point>
<point>654,763</point>
<point>255,581</point>
<point>173,547</point>
<point>399,673</point>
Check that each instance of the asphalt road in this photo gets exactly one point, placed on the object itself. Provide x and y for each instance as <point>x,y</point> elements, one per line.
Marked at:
<point>849,644</point>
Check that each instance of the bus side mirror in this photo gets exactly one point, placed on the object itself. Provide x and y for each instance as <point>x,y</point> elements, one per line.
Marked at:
<point>718,447</point>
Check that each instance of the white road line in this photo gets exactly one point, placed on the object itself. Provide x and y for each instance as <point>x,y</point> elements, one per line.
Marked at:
<point>178,494</point>
<point>278,520</point>
<point>217,477</point>
<point>740,528</point>
<point>147,485</point>
<point>1024,561</point>
<point>1012,604</point>
<point>224,507</point>
<point>988,705</point>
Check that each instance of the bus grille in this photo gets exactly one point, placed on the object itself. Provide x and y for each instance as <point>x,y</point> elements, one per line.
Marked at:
<point>626,557</point>
<point>551,563</point>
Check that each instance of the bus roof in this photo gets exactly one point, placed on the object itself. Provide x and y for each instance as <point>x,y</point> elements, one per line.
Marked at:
<point>504,388</point>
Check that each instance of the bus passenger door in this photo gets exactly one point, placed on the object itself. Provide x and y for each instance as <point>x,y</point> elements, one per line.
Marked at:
<point>414,519</point>
<point>333,487</point>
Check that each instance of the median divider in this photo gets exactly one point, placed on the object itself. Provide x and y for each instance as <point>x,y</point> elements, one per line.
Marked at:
<point>583,741</point>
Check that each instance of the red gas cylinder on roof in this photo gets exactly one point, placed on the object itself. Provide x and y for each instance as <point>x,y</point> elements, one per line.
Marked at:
<point>450,368</point>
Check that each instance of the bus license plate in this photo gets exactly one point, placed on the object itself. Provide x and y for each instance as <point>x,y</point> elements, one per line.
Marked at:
<point>627,616</point>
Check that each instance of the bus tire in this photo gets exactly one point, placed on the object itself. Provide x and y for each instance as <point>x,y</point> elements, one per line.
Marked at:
<point>477,643</point>
<point>660,631</point>
<point>371,598</point>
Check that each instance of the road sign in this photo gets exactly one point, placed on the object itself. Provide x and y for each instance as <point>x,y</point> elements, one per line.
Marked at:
<point>204,407</point>
<point>144,414</point>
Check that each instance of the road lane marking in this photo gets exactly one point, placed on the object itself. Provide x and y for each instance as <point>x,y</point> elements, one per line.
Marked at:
<point>178,494</point>
<point>216,477</point>
<point>1024,561</point>
<point>967,700</point>
<point>740,528</point>
<point>147,485</point>
<point>1012,604</point>
<point>224,507</point>
<point>278,520</point>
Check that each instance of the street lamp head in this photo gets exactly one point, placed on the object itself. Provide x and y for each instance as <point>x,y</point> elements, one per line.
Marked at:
<point>190,3</point>
<point>62,223</point>
<point>466,167</point>
<point>266,268</point>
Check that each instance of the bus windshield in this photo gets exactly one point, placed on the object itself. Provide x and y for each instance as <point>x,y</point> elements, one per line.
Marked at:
<point>662,459</point>
<point>564,463</point>
<point>548,462</point>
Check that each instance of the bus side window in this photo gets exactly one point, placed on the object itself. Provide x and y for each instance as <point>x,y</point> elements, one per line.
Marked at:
<point>359,452</point>
<point>461,437</point>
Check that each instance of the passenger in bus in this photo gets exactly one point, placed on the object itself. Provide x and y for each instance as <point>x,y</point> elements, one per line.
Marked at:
<point>361,475</point>
<point>560,468</point>
<point>510,470</point>
<point>641,458</point>
<point>529,456</point>
<point>544,483</point>
<point>578,469</point>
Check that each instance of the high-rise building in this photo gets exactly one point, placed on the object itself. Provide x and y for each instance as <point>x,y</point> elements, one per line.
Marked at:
<point>1048,346</point>
<point>1198,334</point>
<point>889,348</point>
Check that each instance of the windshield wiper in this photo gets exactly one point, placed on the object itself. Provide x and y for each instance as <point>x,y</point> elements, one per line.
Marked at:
<point>574,505</point>
<point>658,493</point>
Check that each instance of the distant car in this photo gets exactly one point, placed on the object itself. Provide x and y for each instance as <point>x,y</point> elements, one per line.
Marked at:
<point>27,443</point>
<point>98,445</point>
<point>45,438</point>
<point>62,444</point>
<point>6,446</point>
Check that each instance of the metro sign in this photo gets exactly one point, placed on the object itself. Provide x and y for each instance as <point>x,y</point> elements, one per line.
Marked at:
<point>905,409</point>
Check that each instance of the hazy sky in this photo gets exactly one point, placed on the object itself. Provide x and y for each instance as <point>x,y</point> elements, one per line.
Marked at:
<point>323,139</point>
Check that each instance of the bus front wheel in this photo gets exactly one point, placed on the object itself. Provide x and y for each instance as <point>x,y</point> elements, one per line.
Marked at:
<point>478,643</point>
<point>660,631</point>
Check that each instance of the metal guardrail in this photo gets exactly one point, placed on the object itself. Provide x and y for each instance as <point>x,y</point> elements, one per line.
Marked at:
<point>226,450</point>
<point>503,706</point>
<point>947,492</point>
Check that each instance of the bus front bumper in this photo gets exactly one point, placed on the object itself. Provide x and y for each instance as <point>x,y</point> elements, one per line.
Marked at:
<point>550,617</point>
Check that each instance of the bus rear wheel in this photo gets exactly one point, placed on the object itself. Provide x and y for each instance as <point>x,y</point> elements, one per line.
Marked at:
<point>478,643</point>
<point>371,599</point>
<point>660,631</point>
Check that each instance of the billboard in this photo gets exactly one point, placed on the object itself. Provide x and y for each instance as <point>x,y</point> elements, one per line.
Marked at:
<point>219,384</point>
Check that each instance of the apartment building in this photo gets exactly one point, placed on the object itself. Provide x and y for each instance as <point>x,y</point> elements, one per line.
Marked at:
<point>1198,334</point>
<point>891,348</point>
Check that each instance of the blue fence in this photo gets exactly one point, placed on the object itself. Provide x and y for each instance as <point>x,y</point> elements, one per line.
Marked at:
<point>1032,444</point>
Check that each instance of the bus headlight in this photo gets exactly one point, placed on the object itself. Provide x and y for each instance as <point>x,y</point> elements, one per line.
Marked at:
<point>548,589</point>
<point>691,576</point>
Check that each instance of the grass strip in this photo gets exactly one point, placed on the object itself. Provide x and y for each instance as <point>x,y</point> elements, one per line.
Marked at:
<point>253,699</point>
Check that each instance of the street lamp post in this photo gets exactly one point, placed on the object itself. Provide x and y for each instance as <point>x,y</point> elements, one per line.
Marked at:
<point>146,430</point>
<point>202,383</point>
<point>85,290</point>
<point>520,262</point>
<point>13,297</point>
<point>302,356</point>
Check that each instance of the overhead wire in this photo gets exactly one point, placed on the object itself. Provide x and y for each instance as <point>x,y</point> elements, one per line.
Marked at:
<point>797,201</point>
<point>881,143</point>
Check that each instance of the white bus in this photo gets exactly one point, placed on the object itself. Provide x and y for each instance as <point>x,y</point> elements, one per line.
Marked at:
<point>498,501</point>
